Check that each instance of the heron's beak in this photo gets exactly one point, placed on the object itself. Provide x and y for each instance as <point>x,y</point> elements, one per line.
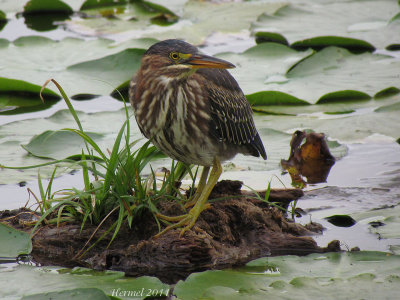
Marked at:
<point>198,61</point>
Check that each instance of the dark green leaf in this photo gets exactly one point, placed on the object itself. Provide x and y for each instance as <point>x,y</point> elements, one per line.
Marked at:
<point>342,112</point>
<point>20,87</point>
<point>390,91</point>
<point>341,220</point>
<point>270,37</point>
<point>274,98</point>
<point>46,6</point>
<point>343,96</point>
<point>17,96</point>
<point>122,91</point>
<point>15,104</point>
<point>318,43</point>
<point>3,18</point>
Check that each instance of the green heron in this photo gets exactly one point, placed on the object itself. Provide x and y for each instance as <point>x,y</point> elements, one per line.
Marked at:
<point>193,110</point>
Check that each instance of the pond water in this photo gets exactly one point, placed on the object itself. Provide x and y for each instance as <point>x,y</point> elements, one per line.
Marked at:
<point>360,119</point>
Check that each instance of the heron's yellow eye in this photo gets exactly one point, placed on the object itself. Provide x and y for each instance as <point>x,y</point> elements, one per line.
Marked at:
<point>174,55</point>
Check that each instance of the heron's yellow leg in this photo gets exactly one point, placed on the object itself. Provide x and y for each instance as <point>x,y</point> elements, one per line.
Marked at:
<point>201,203</point>
<point>190,218</point>
<point>200,187</point>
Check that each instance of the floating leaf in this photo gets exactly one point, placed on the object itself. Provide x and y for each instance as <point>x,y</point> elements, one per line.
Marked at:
<point>59,144</point>
<point>335,74</point>
<point>74,294</point>
<point>274,98</point>
<point>197,19</point>
<point>3,18</point>
<point>341,220</point>
<point>17,96</point>
<point>46,6</point>
<point>20,87</point>
<point>13,242</point>
<point>354,27</point>
<point>389,108</point>
<point>343,96</point>
<point>36,59</point>
<point>388,217</point>
<point>388,92</point>
<point>42,15</point>
<point>346,275</point>
<point>15,104</point>
<point>120,67</point>
<point>121,91</point>
<point>318,43</point>
<point>270,37</point>
<point>262,65</point>
<point>85,283</point>
<point>92,4</point>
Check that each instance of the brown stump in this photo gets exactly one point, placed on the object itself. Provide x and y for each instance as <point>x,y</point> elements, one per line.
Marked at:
<point>234,231</point>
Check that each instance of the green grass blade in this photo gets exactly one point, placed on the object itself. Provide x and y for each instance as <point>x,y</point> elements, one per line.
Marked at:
<point>90,141</point>
<point>112,163</point>
<point>85,172</point>
<point>41,190</point>
<point>66,99</point>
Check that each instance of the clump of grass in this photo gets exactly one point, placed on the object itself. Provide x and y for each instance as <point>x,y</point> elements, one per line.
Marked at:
<point>119,186</point>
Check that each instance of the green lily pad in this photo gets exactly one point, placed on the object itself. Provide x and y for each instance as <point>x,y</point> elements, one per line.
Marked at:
<point>17,96</point>
<point>389,108</point>
<point>344,275</point>
<point>318,43</point>
<point>354,27</point>
<point>335,74</point>
<point>119,67</point>
<point>388,217</point>
<point>274,98</point>
<point>15,104</point>
<point>340,96</point>
<point>341,220</point>
<point>20,87</point>
<point>15,134</point>
<point>80,293</point>
<point>262,65</point>
<point>60,282</point>
<point>3,17</point>
<point>92,4</point>
<point>46,6</point>
<point>36,59</point>
<point>59,144</point>
<point>106,18</point>
<point>197,19</point>
<point>121,91</point>
<point>13,6</point>
<point>13,242</point>
<point>388,92</point>
<point>44,15</point>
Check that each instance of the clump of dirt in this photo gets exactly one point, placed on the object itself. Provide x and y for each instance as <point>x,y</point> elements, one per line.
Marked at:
<point>232,232</point>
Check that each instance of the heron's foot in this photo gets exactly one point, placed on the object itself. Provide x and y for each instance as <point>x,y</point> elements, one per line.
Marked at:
<point>192,201</point>
<point>186,221</point>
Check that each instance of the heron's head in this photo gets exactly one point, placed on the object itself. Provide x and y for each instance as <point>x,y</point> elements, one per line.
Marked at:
<point>178,57</point>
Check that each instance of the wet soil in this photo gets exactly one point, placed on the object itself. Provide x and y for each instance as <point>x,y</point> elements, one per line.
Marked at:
<point>235,230</point>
